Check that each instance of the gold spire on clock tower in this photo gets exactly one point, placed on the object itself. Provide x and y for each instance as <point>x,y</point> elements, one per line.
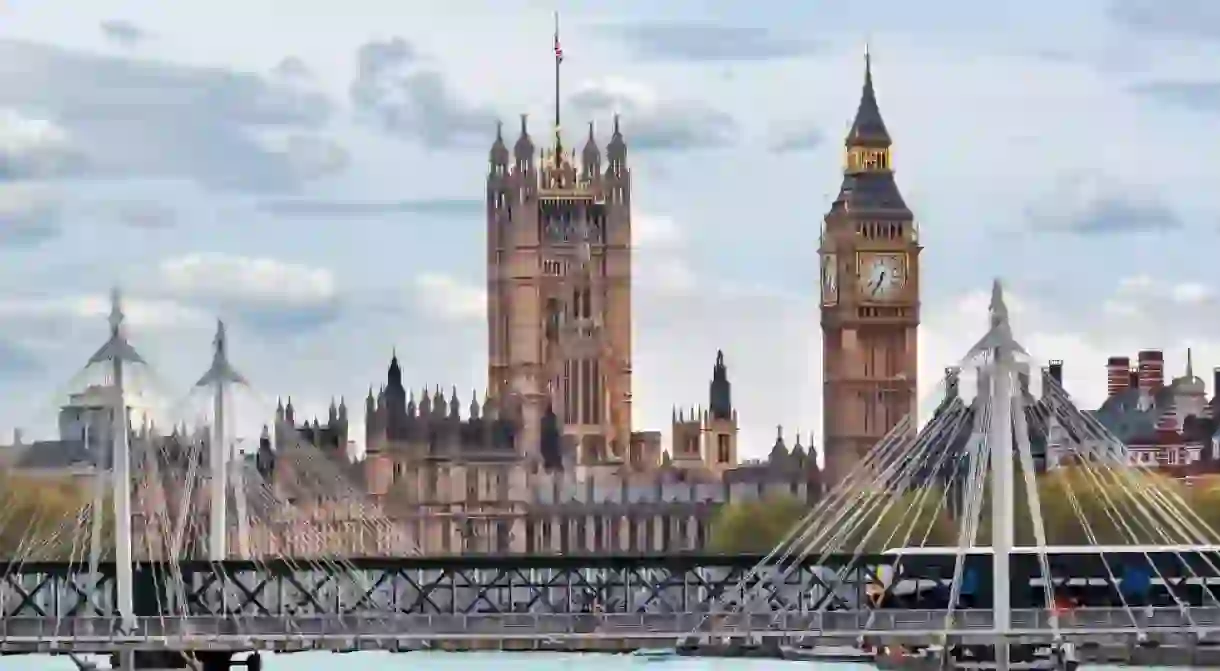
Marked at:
<point>870,295</point>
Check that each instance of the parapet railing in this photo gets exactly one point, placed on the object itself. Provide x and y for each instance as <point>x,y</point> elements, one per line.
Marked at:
<point>374,625</point>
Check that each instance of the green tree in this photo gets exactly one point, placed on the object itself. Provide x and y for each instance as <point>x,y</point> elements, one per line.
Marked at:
<point>755,526</point>
<point>872,522</point>
<point>1085,505</point>
<point>1203,497</point>
<point>883,521</point>
<point>40,517</point>
<point>1080,505</point>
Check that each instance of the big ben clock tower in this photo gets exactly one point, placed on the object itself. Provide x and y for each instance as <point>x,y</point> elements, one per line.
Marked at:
<point>870,297</point>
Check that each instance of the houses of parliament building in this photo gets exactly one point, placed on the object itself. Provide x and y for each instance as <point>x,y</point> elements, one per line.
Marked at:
<point>547,459</point>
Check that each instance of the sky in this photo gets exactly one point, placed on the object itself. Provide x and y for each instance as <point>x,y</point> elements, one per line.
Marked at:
<point>315,176</point>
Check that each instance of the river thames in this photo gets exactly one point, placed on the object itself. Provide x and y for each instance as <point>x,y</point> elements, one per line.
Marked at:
<point>479,661</point>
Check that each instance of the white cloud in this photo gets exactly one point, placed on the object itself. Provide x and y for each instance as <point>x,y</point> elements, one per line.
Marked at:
<point>654,231</point>
<point>669,274</point>
<point>1139,294</point>
<point>140,312</point>
<point>1136,318</point>
<point>29,212</point>
<point>310,156</point>
<point>249,279</point>
<point>653,122</point>
<point>32,147</point>
<point>769,332</point>
<point>1190,293</point>
<point>450,298</point>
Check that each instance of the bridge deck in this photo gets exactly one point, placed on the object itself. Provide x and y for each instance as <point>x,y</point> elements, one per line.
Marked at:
<point>374,630</point>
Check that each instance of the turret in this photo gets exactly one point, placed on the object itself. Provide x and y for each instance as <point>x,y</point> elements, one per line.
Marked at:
<point>523,150</point>
<point>474,406</point>
<point>438,404</point>
<point>616,152</point>
<point>497,158</point>
<point>779,451</point>
<point>425,404</point>
<point>488,409</point>
<point>590,158</point>
<point>394,373</point>
<point>720,391</point>
<point>264,460</point>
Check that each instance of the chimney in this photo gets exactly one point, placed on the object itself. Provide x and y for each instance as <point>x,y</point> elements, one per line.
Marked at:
<point>1151,370</point>
<point>1216,381</point>
<point>18,436</point>
<point>1055,368</point>
<point>1118,374</point>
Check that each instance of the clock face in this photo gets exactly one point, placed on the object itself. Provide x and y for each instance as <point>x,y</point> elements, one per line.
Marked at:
<point>882,276</point>
<point>830,280</point>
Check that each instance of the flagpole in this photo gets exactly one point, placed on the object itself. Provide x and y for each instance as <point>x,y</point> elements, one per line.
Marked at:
<point>558,61</point>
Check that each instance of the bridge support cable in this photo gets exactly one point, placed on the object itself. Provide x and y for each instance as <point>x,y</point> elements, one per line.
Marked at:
<point>894,448</point>
<point>975,450</point>
<point>863,523</point>
<point>1056,419</point>
<point>1034,502</point>
<point>292,512</point>
<point>1149,502</point>
<point>904,460</point>
<point>978,457</point>
<point>1144,500</point>
<point>1109,452</point>
<point>893,461</point>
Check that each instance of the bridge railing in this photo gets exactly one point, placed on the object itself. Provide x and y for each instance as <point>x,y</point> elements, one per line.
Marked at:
<point>626,625</point>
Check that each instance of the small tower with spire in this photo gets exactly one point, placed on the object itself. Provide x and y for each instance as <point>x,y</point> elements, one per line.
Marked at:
<point>720,420</point>
<point>705,437</point>
<point>869,295</point>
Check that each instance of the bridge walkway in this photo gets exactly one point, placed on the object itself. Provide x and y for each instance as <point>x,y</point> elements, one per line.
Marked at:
<point>379,630</point>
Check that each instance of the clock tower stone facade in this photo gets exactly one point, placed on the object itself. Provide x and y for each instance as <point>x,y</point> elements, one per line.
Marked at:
<point>870,299</point>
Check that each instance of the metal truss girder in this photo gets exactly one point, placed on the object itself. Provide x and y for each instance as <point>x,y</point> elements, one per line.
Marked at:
<point>196,601</point>
<point>647,584</point>
<point>250,595</point>
<point>27,602</point>
<point>308,596</point>
<point>369,597</point>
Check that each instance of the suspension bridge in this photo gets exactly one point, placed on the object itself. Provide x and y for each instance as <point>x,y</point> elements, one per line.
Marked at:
<point>185,545</point>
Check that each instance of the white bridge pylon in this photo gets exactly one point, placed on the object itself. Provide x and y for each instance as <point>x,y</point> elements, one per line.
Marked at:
<point>223,460</point>
<point>923,489</point>
<point>118,353</point>
<point>225,465</point>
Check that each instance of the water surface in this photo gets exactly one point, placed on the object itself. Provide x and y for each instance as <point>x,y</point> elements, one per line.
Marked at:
<point>480,661</point>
